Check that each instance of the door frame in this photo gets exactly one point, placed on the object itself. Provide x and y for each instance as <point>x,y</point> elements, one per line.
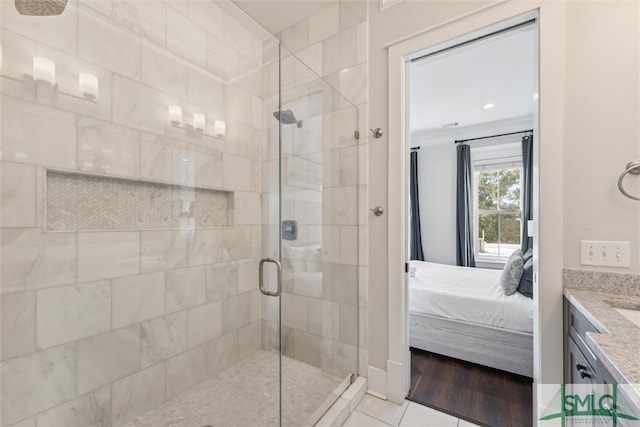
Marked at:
<point>548,163</point>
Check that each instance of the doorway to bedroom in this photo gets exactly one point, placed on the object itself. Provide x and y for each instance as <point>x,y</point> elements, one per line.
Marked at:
<point>471,219</point>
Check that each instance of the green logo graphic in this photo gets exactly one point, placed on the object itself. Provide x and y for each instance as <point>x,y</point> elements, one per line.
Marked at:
<point>588,407</point>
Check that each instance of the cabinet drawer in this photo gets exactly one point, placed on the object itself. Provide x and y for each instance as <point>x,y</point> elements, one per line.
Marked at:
<point>578,327</point>
<point>581,370</point>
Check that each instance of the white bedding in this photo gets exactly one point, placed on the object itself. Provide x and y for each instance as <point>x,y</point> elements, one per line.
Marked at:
<point>470,294</point>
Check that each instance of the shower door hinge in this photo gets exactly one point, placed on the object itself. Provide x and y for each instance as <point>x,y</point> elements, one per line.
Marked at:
<point>406,267</point>
<point>356,134</point>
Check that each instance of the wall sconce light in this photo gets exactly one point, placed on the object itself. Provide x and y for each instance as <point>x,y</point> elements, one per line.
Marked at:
<point>220,128</point>
<point>88,84</point>
<point>199,121</point>
<point>44,69</point>
<point>175,115</point>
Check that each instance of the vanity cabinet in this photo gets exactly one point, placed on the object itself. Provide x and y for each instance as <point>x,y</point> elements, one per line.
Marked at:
<point>580,365</point>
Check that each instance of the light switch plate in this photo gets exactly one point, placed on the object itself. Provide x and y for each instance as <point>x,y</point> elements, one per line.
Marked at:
<point>603,253</point>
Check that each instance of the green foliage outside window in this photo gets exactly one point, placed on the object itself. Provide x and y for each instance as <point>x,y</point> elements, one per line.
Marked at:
<point>499,206</point>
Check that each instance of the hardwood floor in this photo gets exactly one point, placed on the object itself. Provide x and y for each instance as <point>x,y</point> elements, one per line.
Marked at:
<point>476,393</point>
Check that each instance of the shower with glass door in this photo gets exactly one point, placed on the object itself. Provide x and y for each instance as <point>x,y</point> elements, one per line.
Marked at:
<point>179,220</point>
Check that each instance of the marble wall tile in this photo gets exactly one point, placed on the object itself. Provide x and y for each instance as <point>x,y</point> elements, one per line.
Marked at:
<point>147,18</point>
<point>208,15</point>
<point>363,327</point>
<point>137,298</point>
<point>135,394</point>
<point>349,324</point>
<point>249,339</point>
<point>340,206</point>
<point>238,35</point>
<point>138,106</point>
<point>238,104</point>
<point>295,311</point>
<point>92,409</point>
<point>29,422</point>
<point>248,208</point>
<point>22,140</point>
<point>340,51</point>
<point>108,357</point>
<point>208,168</point>
<point>18,321</point>
<point>19,205</point>
<point>186,38</point>
<point>60,33</point>
<point>312,58</point>
<point>353,83</point>
<point>296,37</point>
<point>222,280</point>
<point>238,243</point>
<point>160,158</point>
<point>204,323</point>
<point>352,13</point>
<point>185,288</point>
<point>121,54</point>
<point>306,348</point>
<point>338,358</point>
<point>32,259</point>
<point>164,249</point>
<point>236,312</point>
<point>103,255</point>
<point>17,57</point>
<point>69,313</point>
<point>206,90</point>
<point>256,306</point>
<point>163,338</point>
<point>206,247</point>
<point>185,370</point>
<point>340,283</point>
<point>38,381</point>
<point>222,353</point>
<point>349,245</point>
<point>324,24</point>
<point>222,60</point>
<point>248,275</point>
<point>107,148</point>
<point>163,70</point>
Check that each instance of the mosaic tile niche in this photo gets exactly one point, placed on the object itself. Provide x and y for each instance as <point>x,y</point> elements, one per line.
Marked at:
<point>89,202</point>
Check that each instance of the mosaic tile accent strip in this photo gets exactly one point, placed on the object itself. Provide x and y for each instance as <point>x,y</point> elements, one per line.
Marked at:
<point>89,202</point>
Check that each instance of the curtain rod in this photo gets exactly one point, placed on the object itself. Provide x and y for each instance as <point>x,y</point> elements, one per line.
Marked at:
<point>459,141</point>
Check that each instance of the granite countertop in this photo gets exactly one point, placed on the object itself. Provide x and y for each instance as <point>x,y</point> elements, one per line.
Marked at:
<point>617,347</point>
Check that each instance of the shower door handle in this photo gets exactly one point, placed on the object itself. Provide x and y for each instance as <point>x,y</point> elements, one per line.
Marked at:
<point>261,277</point>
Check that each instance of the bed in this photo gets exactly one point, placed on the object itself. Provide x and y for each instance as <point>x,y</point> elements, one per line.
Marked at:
<point>463,313</point>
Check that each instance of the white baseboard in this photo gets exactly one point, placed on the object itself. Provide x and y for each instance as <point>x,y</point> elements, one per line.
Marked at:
<point>377,382</point>
<point>395,382</point>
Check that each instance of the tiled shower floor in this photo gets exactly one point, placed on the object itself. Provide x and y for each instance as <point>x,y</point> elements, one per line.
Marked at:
<point>246,394</point>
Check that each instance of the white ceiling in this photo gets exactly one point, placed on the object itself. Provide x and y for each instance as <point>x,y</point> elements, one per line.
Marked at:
<point>454,85</point>
<point>277,15</point>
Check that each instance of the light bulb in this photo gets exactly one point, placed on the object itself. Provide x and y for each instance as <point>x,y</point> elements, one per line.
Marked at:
<point>88,84</point>
<point>44,70</point>
<point>175,115</point>
<point>220,128</point>
<point>199,121</point>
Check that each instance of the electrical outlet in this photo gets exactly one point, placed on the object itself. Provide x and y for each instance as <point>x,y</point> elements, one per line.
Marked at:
<point>609,254</point>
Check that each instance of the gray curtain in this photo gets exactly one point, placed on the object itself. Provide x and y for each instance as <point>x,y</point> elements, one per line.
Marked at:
<point>416,232</point>
<point>464,209</point>
<point>527,190</point>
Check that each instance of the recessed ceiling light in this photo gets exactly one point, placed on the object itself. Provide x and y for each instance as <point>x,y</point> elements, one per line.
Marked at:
<point>488,106</point>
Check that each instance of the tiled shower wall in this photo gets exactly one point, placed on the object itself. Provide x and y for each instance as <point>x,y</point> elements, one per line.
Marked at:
<point>98,326</point>
<point>334,44</point>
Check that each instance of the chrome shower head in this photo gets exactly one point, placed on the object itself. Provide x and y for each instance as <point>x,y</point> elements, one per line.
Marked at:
<point>40,7</point>
<point>287,117</point>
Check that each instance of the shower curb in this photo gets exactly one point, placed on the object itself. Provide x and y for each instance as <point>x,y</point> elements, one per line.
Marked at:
<point>344,405</point>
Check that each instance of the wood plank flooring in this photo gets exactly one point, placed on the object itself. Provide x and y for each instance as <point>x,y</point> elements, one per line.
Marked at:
<point>472,392</point>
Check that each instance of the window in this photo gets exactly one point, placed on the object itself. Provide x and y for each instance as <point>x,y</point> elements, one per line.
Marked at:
<point>498,208</point>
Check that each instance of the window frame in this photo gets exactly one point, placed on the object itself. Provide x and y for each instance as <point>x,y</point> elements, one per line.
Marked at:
<point>492,158</point>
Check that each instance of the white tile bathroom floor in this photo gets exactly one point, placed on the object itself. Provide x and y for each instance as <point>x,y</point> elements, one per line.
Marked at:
<point>246,394</point>
<point>373,412</point>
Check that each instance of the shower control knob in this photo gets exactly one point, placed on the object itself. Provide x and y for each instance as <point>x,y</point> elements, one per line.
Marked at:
<point>377,211</point>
